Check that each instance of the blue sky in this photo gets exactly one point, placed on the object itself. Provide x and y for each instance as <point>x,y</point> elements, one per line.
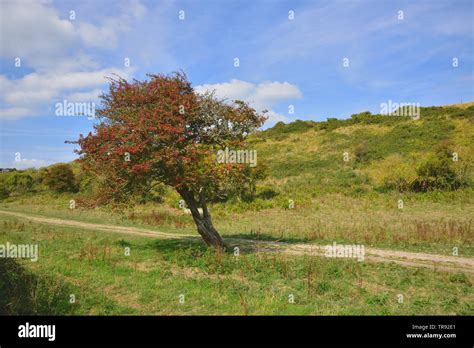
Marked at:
<point>400,56</point>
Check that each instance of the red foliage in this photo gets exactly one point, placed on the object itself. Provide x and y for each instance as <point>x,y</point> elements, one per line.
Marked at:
<point>165,129</point>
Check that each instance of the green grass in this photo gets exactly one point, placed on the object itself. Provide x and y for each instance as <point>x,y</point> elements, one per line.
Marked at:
<point>93,266</point>
<point>334,200</point>
<point>435,224</point>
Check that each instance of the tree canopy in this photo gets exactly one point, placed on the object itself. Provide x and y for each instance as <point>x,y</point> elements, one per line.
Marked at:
<point>161,130</point>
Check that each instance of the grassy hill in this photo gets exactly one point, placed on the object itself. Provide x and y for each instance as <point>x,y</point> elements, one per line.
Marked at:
<point>358,199</point>
<point>310,195</point>
<point>306,158</point>
<point>336,180</point>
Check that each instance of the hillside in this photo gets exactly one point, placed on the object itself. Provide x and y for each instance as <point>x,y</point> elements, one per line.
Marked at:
<point>383,180</point>
<point>307,158</point>
<point>310,198</point>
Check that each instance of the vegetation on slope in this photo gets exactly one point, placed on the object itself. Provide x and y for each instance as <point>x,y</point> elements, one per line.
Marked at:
<point>305,192</point>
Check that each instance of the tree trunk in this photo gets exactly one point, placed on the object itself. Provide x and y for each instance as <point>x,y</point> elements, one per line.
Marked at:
<point>203,222</point>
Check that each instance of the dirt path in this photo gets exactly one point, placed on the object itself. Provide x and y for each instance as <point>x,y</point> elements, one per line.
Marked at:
<point>412,259</point>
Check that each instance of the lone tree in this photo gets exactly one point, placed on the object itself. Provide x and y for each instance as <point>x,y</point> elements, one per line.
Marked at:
<point>160,130</point>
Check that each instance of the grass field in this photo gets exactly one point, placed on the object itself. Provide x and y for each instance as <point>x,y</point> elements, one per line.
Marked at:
<point>334,200</point>
<point>93,267</point>
<point>422,225</point>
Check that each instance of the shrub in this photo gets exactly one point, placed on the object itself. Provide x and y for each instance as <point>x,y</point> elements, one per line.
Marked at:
<point>244,188</point>
<point>437,173</point>
<point>425,184</point>
<point>19,182</point>
<point>281,130</point>
<point>438,168</point>
<point>361,152</point>
<point>60,178</point>
<point>394,172</point>
<point>4,193</point>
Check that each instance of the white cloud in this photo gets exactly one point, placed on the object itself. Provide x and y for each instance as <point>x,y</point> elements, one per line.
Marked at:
<point>27,96</point>
<point>106,35</point>
<point>274,117</point>
<point>34,91</point>
<point>30,163</point>
<point>260,96</point>
<point>14,113</point>
<point>54,47</point>
<point>265,93</point>
<point>84,96</point>
<point>272,92</point>
<point>235,89</point>
<point>34,32</point>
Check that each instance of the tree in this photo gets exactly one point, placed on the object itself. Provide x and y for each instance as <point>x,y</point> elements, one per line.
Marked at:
<point>60,178</point>
<point>160,130</point>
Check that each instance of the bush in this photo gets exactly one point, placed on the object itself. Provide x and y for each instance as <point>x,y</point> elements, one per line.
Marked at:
<point>438,168</point>
<point>60,178</point>
<point>425,184</point>
<point>437,173</point>
<point>19,182</point>
<point>4,193</point>
<point>394,172</point>
<point>361,152</point>
<point>396,183</point>
<point>281,130</point>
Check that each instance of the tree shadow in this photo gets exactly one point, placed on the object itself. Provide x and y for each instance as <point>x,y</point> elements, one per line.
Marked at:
<point>197,245</point>
<point>267,194</point>
<point>252,236</point>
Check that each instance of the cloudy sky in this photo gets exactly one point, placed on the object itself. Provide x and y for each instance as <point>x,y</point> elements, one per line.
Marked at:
<point>290,55</point>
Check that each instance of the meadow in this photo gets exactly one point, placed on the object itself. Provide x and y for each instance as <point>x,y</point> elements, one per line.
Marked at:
<point>335,181</point>
<point>167,277</point>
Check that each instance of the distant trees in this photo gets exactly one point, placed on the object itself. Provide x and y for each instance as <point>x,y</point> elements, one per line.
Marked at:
<point>57,178</point>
